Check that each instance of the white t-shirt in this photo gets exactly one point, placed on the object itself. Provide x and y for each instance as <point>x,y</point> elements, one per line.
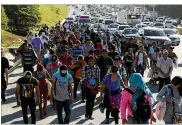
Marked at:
<point>140,58</point>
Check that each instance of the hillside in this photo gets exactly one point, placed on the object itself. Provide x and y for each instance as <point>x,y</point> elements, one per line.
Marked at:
<point>50,15</point>
<point>9,39</point>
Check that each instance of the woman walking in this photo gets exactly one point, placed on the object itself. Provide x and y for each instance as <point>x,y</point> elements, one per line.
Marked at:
<point>42,76</point>
<point>137,100</point>
<point>169,94</point>
<point>112,93</point>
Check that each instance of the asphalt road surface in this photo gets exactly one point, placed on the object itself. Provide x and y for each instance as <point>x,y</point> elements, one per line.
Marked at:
<point>13,115</point>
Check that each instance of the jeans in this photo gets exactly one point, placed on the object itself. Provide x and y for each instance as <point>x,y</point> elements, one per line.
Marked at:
<point>3,90</point>
<point>32,106</point>
<point>140,69</point>
<point>163,81</point>
<point>76,83</point>
<point>59,107</point>
<point>132,120</point>
<point>129,71</point>
<point>89,102</point>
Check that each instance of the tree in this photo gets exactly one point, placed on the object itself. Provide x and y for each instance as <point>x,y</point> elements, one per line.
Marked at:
<point>22,17</point>
<point>4,19</point>
<point>173,11</point>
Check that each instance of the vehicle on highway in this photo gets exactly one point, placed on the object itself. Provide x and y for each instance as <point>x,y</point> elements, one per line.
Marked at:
<point>70,20</point>
<point>121,28</point>
<point>131,17</point>
<point>154,34</point>
<point>159,25</point>
<point>135,22</point>
<point>174,35</point>
<point>146,23</point>
<point>130,32</point>
<point>85,19</point>
<point>106,23</point>
<point>74,13</point>
<point>138,26</point>
<point>168,23</point>
<point>160,19</point>
<point>121,17</point>
<point>112,27</point>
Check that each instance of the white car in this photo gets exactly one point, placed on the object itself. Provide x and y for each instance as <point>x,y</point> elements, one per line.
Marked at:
<point>154,34</point>
<point>69,19</point>
<point>174,35</point>
<point>121,28</point>
<point>106,23</point>
<point>138,26</point>
<point>147,23</point>
<point>112,27</point>
<point>159,25</point>
<point>168,23</point>
<point>130,32</point>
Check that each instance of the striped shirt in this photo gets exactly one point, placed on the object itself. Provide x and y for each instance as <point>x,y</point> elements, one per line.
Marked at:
<point>28,57</point>
<point>89,72</point>
<point>76,52</point>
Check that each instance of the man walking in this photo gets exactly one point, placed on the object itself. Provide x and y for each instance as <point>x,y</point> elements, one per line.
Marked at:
<point>25,89</point>
<point>165,68</point>
<point>63,94</point>
<point>4,75</point>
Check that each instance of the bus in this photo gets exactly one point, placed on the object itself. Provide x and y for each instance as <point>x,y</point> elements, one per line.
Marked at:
<point>131,17</point>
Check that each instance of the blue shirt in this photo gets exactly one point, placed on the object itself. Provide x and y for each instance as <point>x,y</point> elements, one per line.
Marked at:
<point>115,85</point>
<point>76,52</point>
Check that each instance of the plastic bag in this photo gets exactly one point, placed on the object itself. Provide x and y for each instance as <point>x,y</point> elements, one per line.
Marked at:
<point>160,110</point>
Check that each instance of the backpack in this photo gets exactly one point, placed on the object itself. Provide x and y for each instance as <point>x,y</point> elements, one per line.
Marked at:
<point>141,109</point>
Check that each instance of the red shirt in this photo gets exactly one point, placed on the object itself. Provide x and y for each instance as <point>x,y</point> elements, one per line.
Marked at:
<point>66,60</point>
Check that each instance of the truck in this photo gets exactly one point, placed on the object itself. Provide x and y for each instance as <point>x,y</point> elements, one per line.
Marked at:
<point>122,17</point>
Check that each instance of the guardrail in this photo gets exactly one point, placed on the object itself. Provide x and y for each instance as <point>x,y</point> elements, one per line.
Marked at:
<point>14,66</point>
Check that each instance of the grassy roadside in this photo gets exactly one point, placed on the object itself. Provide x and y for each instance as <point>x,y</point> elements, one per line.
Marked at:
<point>50,14</point>
<point>9,39</point>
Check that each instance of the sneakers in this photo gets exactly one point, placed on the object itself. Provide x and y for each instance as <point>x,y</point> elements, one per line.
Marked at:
<point>83,101</point>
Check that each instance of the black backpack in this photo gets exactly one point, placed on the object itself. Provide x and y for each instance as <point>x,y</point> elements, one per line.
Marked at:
<point>141,110</point>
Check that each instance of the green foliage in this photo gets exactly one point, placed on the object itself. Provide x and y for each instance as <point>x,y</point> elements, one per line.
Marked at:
<point>51,14</point>
<point>4,19</point>
<point>22,17</point>
<point>174,11</point>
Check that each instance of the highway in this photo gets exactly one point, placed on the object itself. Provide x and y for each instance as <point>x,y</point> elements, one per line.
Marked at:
<point>13,115</point>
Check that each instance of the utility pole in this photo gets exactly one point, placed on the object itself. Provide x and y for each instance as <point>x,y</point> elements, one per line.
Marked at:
<point>153,12</point>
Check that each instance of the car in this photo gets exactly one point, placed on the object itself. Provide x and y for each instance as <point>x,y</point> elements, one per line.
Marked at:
<point>70,20</point>
<point>154,34</point>
<point>168,23</point>
<point>130,32</point>
<point>106,23</point>
<point>174,35</point>
<point>138,26</point>
<point>146,23</point>
<point>160,19</point>
<point>121,28</point>
<point>112,27</point>
<point>74,13</point>
<point>159,25</point>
